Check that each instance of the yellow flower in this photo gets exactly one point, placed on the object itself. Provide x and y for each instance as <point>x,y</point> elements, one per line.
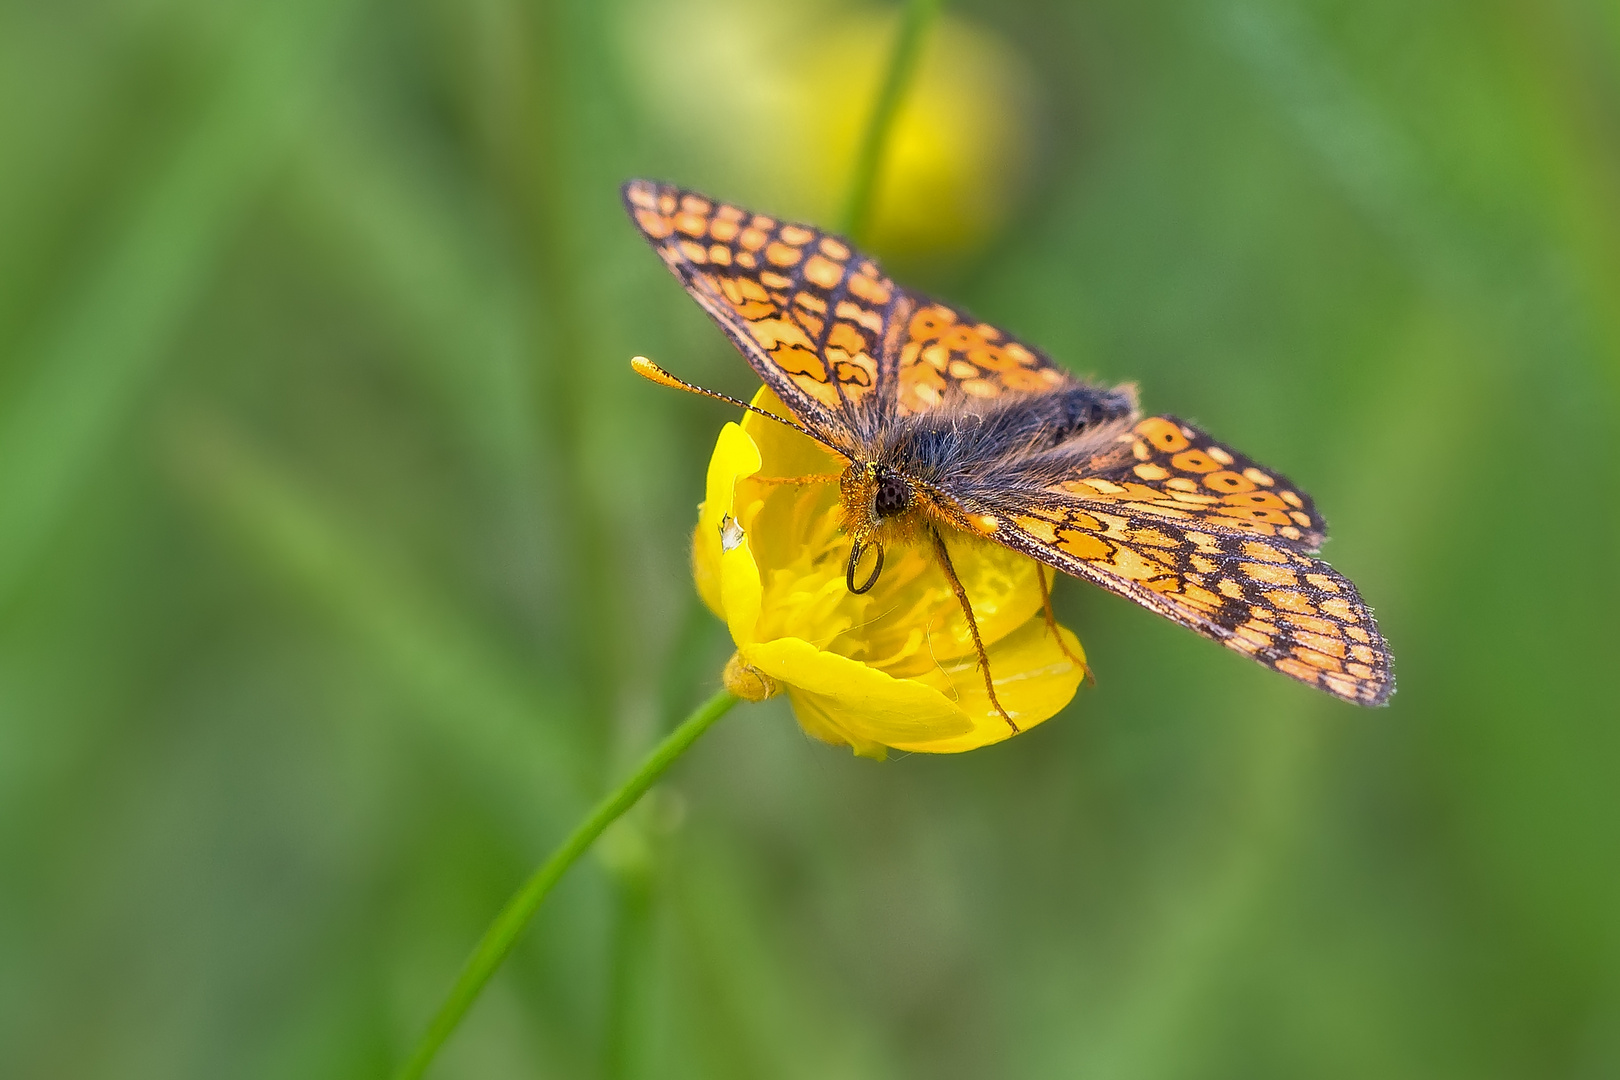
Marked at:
<point>894,667</point>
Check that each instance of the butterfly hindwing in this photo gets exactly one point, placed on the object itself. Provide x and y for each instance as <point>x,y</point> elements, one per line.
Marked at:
<point>813,317</point>
<point>946,354</point>
<point>1289,611</point>
<point>1177,472</point>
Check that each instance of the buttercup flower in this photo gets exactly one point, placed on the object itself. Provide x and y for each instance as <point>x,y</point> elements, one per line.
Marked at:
<point>893,667</point>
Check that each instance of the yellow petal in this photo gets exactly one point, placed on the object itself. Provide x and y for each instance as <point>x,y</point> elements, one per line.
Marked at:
<point>1034,680</point>
<point>735,456</point>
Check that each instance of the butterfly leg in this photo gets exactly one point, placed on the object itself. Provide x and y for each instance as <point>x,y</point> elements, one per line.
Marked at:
<point>1051,622</point>
<point>973,625</point>
<point>796,481</point>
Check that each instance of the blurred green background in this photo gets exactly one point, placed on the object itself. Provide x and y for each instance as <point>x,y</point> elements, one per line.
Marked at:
<point>343,559</point>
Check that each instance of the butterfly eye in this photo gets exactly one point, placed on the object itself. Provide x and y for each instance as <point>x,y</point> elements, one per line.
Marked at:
<point>893,496</point>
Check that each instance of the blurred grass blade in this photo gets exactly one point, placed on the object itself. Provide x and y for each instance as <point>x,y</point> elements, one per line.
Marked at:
<point>514,918</point>
<point>908,44</point>
<point>480,704</point>
<point>87,366</point>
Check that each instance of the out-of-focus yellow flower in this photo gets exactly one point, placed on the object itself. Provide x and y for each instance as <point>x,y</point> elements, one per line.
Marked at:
<point>894,667</point>
<point>775,97</point>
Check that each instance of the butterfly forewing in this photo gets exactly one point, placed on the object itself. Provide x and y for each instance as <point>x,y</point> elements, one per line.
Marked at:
<point>813,317</point>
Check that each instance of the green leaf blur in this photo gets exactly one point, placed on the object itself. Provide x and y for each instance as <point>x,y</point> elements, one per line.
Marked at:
<point>344,562</point>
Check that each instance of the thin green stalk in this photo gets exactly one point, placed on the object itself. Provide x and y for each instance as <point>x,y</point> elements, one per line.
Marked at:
<point>503,933</point>
<point>920,15</point>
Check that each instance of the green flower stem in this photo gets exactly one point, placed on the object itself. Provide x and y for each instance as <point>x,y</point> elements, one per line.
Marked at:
<point>920,15</point>
<point>514,917</point>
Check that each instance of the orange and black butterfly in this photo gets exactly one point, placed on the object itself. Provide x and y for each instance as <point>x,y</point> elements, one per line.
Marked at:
<point>947,421</point>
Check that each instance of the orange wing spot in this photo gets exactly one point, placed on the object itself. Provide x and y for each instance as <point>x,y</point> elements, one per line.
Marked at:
<point>782,255</point>
<point>833,249</point>
<point>723,230</point>
<point>1024,380</point>
<point>730,213</point>
<point>1021,354</point>
<point>1293,500</point>
<point>666,203</point>
<point>746,258</point>
<point>694,251</point>
<point>1085,546</point>
<point>1311,622</point>
<point>1254,634</point>
<point>1195,461</point>
<point>1230,588</point>
<point>873,292</point>
<point>1341,685</point>
<point>979,388</point>
<point>1263,499</point>
<point>1165,436</point>
<point>1258,477</point>
<point>1362,653</point>
<point>1147,471</point>
<point>1181,483</point>
<point>1253,514</point>
<point>1339,608</point>
<point>1203,565</point>
<point>1039,528</point>
<point>753,239</point>
<point>691,224</point>
<point>1284,600</point>
<point>1354,633</point>
<point>653,224</point>
<point>1228,482</point>
<point>811,302</point>
<point>872,320</point>
<point>798,361</point>
<point>774,280</point>
<point>988,332</point>
<point>1201,598</point>
<point>1303,518</point>
<point>991,358</point>
<point>692,204</point>
<point>763,223</point>
<point>1290,532</point>
<point>1152,538</point>
<point>930,323</point>
<point>642,197</point>
<point>1220,455</point>
<point>1316,659</point>
<point>796,235</point>
<point>1263,552</point>
<point>846,337</point>
<point>1269,574</point>
<point>773,332</point>
<point>1360,671</point>
<point>1322,643</point>
<point>819,271</point>
<point>961,339</point>
<point>1303,672</point>
<point>1099,485</point>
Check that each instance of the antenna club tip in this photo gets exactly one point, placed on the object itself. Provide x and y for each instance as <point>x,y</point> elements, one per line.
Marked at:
<point>651,371</point>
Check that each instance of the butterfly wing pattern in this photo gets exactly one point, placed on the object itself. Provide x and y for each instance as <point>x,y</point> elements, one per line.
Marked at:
<point>1166,517</point>
<point>811,315</point>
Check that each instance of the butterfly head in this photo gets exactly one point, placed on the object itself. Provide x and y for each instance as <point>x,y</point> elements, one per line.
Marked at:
<point>874,497</point>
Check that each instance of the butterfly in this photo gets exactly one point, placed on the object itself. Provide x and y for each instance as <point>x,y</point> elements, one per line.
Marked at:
<point>948,422</point>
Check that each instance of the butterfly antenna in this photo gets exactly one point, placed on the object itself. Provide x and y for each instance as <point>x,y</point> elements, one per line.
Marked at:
<point>653,373</point>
